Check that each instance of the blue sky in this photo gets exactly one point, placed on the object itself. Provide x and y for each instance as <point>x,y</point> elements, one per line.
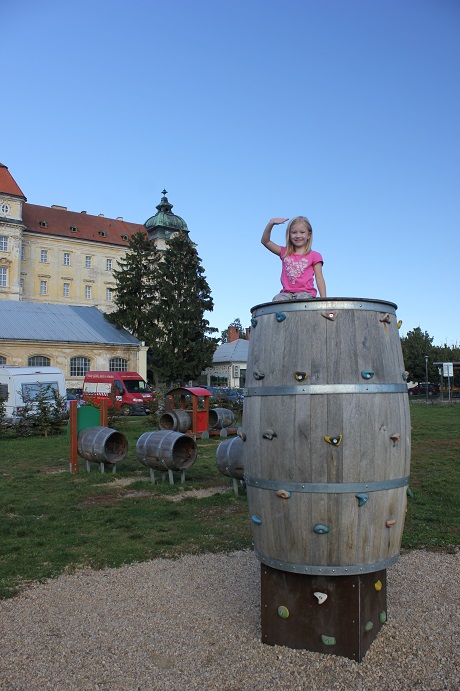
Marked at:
<point>346,111</point>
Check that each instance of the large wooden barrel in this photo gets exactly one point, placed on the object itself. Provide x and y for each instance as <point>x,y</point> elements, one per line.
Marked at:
<point>220,418</point>
<point>327,428</point>
<point>164,450</point>
<point>102,445</point>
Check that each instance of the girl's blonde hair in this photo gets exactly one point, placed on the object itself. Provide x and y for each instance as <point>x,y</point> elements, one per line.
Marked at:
<point>290,249</point>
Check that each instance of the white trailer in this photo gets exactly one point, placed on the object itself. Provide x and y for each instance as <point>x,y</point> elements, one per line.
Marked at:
<point>21,384</point>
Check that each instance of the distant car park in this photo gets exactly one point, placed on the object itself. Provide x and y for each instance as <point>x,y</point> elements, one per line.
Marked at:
<point>420,390</point>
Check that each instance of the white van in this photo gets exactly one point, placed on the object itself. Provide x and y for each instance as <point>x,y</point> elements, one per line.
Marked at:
<point>17,382</point>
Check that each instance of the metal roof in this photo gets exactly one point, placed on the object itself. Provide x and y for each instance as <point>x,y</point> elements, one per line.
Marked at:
<point>37,321</point>
<point>236,351</point>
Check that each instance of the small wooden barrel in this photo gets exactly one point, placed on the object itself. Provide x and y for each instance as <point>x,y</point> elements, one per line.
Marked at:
<point>102,445</point>
<point>229,458</point>
<point>327,426</point>
<point>220,418</point>
<point>177,420</point>
<point>163,450</point>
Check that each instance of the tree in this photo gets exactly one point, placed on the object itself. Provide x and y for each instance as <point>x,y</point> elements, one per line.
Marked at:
<point>237,324</point>
<point>136,288</point>
<point>183,347</point>
<point>415,345</point>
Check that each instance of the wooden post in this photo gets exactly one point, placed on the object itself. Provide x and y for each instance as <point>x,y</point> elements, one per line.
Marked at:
<point>73,438</point>
<point>104,413</point>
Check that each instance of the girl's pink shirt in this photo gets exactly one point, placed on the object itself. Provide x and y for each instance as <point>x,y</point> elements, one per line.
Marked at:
<point>297,274</point>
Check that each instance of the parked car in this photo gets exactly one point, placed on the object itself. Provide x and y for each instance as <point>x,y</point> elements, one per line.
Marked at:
<point>71,397</point>
<point>420,389</point>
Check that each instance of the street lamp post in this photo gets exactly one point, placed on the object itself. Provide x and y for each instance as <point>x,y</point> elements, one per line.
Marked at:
<point>426,379</point>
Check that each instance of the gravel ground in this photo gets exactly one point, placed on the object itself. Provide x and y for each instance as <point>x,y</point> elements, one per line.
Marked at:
<point>194,624</point>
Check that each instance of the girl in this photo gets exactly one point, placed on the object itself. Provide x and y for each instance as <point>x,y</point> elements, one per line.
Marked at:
<point>300,264</point>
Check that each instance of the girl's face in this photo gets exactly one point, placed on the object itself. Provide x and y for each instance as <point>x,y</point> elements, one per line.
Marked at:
<point>299,234</point>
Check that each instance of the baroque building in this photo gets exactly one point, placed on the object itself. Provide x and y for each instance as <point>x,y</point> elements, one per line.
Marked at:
<point>53,255</point>
<point>66,259</point>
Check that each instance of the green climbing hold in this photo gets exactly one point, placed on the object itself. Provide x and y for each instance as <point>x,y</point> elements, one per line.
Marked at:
<point>283,612</point>
<point>369,626</point>
<point>328,640</point>
<point>382,617</point>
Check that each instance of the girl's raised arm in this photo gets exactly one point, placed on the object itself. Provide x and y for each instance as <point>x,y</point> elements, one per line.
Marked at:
<point>265,239</point>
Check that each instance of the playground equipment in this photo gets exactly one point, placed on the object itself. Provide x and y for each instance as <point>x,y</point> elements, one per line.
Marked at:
<point>229,460</point>
<point>166,451</point>
<point>326,461</point>
<point>194,415</point>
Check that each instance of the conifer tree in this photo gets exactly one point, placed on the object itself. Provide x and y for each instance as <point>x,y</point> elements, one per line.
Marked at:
<point>183,346</point>
<point>136,288</point>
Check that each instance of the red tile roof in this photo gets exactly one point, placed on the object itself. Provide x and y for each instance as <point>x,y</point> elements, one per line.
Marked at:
<point>8,183</point>
<point>47,220</point>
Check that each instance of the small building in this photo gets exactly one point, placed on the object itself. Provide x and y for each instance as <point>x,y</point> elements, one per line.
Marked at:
<point>75,339</point>
<point>229,362</point>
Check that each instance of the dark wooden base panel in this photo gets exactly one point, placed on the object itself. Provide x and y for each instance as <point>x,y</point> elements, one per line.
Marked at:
<point>339,615</point>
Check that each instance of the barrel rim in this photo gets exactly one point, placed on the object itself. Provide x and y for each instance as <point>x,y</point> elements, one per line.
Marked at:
<point>317,570</point>
<point>324,304</point>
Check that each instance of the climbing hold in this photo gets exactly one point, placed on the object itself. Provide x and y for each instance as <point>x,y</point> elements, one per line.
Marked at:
<point>258,374</point>
<point>395,438</point>
<point>404,376</point>
<point>329,315</point>
<point>241,434</point>
<point>300,376</point>
<point>280,316</point>
<point>382,617</point>
<point>283,493</point>
<point>362,499</point>
<point>335,441</point>
<point>328,640</point>
<point>390,523</point>
<point>269,434</point>
<point>255,519</point>
<point>369,626</point>
<point>399,323</point>
<point>409,492</point>
<point>321,529</point>
<point>378,585</point>
<point>283,612</point>
<point>367,374</point>
<point>386,318</point>
<point>253,322</point>
<point>321,597</point>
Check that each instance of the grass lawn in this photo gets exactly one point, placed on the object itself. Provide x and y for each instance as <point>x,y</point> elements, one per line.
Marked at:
<point>52,521</point>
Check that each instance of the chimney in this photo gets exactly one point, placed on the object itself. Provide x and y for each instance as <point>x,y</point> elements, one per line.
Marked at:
<point>119,218</point>
<point>248,333</point>
<point>233,334</point>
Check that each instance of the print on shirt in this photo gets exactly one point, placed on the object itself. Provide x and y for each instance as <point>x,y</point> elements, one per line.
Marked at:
<point>295,269</point>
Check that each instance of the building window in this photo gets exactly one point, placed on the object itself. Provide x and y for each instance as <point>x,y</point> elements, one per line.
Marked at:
<point>44,256</point>
<point>79,366</point>
<point>88,262</point>
<point>21,285</point>
<point>88,292</point>
<point>66,258</point>
<point>3,277</point>
<point>2,360</point>
<point>3,243</point>
<point>23,252</point>
<point>108,265</point>
<point>118,364</point>
<point>43,288</point>
<point>109,294</point>
<point>38,361</point>
<point>66,290</point>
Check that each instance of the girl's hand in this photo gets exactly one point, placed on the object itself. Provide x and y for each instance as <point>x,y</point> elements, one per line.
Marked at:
<point>278,221</point>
